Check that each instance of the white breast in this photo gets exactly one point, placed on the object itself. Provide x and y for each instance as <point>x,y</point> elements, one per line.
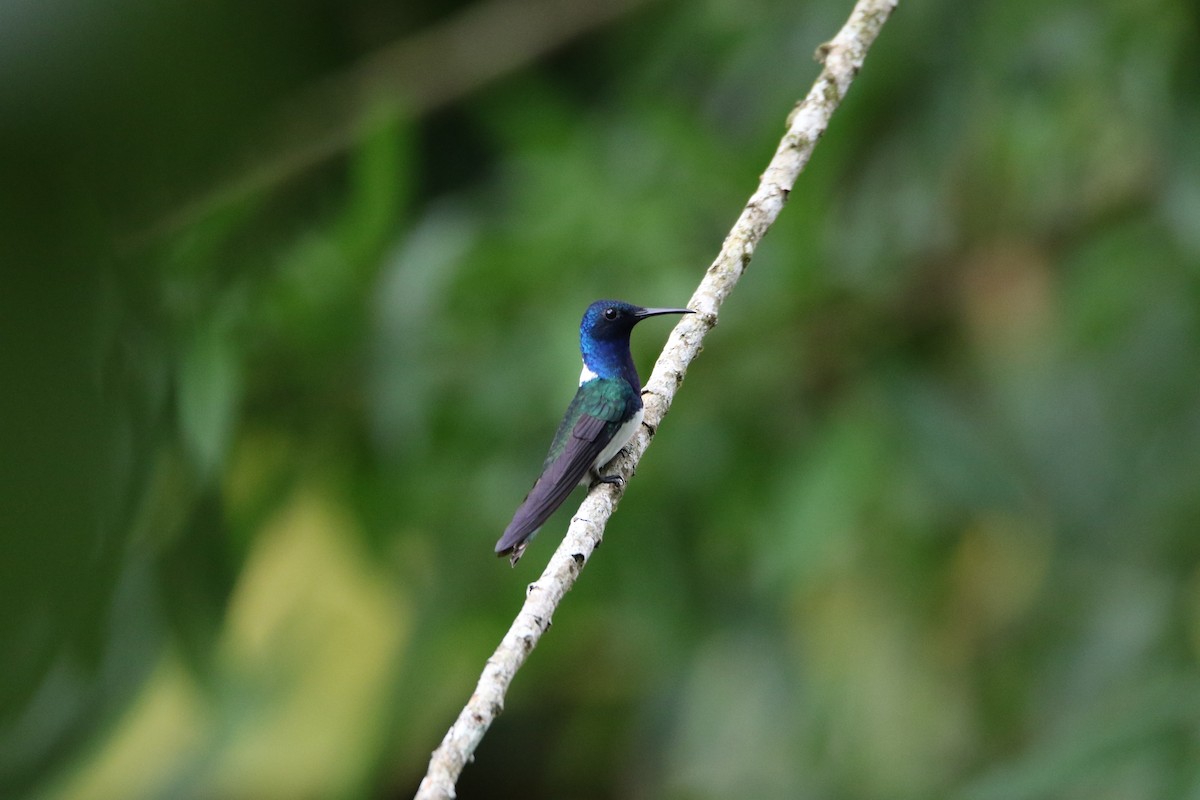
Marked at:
<point>624,434</point>
<point>586,375</point>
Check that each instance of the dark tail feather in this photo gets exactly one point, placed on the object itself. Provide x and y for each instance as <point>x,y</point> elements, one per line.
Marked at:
<point>514,541</point>
<point>557,481</point>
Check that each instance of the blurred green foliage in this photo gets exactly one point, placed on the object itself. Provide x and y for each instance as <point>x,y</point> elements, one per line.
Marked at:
<point>922,522</point>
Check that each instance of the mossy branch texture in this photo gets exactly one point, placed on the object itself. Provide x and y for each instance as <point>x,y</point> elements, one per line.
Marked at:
<point>842,58</point>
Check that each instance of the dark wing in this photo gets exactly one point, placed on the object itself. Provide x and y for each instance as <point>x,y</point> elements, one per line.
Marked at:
<point>592,420</point>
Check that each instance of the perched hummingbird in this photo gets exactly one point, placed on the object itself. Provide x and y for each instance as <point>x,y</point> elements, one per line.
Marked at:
<point>600,420</point>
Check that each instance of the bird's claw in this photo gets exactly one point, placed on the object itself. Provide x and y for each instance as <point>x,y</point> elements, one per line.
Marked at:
<point>616,480</point>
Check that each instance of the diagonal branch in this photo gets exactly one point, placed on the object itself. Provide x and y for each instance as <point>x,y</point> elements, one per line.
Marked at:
<point>842,58</point>
<point>411,77</point>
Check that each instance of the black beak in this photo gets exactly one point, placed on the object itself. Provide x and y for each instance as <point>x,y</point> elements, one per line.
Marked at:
<point>654,312</point>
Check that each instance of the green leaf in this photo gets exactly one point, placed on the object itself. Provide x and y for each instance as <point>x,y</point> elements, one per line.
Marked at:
<point>210,386</point>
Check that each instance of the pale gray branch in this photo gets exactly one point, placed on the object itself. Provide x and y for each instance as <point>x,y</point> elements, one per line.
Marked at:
<point>842,58</point>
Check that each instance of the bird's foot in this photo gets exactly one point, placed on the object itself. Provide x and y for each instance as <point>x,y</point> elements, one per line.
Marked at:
<point>616,480</point>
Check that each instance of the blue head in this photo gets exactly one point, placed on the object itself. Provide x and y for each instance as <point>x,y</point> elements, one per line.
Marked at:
<point>604,337</point>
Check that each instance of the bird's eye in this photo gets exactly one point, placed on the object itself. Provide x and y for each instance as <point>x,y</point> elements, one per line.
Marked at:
<point>610,313</point>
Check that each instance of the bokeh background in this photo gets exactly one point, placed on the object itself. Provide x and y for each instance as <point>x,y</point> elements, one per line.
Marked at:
<point>288,305</point>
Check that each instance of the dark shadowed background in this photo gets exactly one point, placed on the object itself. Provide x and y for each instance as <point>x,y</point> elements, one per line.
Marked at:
<point>289,296</point>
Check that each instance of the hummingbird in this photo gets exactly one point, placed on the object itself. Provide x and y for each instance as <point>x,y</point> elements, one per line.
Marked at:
<point>602,418</point>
